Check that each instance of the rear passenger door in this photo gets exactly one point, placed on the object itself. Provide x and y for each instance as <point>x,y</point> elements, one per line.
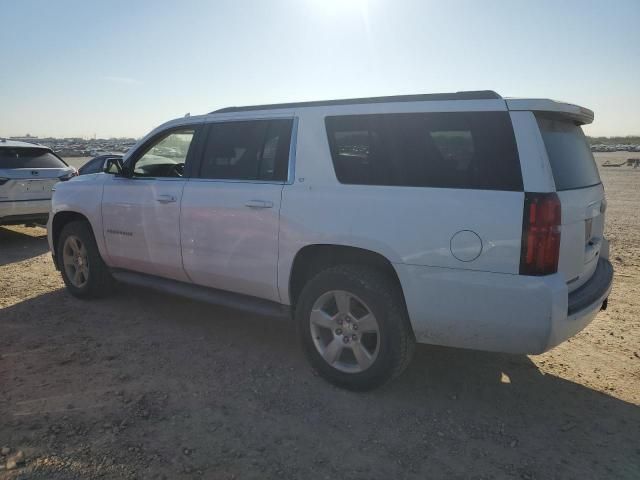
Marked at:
<point>231,207</point>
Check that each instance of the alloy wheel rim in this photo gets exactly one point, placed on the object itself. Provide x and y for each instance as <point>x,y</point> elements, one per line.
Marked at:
<point>76,261</point>
<point>345,332</point>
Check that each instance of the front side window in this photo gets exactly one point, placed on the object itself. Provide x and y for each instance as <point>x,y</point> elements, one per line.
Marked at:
<point>247,150</point>
<point>95,165</point>
<point>443,150</point>
<point>166,157</point>
<point>29,158</point>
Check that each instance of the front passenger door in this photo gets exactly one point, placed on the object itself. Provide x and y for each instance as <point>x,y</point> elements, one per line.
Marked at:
<point>141,213</point>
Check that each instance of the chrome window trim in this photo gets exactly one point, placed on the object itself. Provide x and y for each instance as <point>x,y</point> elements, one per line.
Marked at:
<point>231,180</point>
<point>291,168</point>
<point>162,179</point>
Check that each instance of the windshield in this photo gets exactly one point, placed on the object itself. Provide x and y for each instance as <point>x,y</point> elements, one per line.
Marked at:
<point>569,153</point>
<point>29,158</point>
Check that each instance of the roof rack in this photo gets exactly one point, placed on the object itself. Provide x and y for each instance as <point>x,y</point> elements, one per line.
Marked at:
<point>471,95</point>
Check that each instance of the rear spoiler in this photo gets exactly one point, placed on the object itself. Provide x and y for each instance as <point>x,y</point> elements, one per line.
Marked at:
<point>576,113</point>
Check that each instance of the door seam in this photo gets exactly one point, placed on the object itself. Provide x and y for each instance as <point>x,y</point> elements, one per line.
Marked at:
<point>184,270</point>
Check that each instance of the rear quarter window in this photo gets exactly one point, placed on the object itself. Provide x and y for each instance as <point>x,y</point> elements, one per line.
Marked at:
<point>570,156</point>
<point>475,150</point>
<point>29,158</point>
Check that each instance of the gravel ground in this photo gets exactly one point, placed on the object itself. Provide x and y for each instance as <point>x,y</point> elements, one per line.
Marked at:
<point>143,385</point>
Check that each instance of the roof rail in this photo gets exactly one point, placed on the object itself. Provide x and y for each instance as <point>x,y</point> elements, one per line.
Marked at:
<point>471,95</point>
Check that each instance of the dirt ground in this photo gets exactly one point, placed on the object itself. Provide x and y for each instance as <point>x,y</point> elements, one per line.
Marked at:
<point>143,385</point>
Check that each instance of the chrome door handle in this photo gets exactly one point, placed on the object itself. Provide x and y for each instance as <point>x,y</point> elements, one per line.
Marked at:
<point>258,204</point>
<point>165,198</point>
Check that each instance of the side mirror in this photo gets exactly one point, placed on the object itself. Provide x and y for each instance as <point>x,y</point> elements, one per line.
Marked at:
<point>113,166</point>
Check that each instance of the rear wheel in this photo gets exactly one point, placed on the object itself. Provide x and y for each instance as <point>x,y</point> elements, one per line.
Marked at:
<point>83,270</point>
<point>354,327</point>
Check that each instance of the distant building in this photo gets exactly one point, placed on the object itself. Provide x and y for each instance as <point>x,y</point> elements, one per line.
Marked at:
<point>26,138</point>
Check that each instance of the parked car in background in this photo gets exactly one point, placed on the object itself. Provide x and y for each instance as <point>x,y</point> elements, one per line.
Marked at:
<point>27,174</point>
<point>463,219</point>
<point>98,164</point>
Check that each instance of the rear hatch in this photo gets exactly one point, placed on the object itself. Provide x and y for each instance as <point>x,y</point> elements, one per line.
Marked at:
<point>581,195</point>
<point>29,173</point>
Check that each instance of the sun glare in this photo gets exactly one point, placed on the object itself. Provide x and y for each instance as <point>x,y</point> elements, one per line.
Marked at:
<point>340,7</point>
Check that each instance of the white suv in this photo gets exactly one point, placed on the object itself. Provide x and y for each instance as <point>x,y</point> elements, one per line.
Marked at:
<point>460,219</point>
<point>27,174</point>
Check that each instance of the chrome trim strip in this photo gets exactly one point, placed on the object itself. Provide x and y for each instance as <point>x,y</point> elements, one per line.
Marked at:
<point>233,180</point>
<point>291,172</point>
<point>146,179</point>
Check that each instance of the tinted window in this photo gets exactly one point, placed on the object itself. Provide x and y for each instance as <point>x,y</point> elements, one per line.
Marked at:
<point>253,150</point>
<point>29,158</point>
<point>92,166</point>
<point>166,157</point>
<point>569,153</point>
<point>455,150</point>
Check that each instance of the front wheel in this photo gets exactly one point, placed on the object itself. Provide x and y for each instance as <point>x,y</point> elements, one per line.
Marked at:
<point>83,270</point>
<point>353,327</point>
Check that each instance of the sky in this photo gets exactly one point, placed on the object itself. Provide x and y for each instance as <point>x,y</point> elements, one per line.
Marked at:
<point>119,68</point>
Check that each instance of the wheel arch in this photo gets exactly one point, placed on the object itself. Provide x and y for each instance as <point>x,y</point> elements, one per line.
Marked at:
<point>313,258</point>
<point>58,222</point>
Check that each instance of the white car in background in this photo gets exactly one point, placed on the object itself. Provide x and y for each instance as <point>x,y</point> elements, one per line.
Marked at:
<point>28,172</point>
<point>464,219</point>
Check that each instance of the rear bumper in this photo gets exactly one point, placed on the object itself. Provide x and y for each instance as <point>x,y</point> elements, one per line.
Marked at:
<point>29,211</point>
<point>499,312</point>
<point>583,304</point>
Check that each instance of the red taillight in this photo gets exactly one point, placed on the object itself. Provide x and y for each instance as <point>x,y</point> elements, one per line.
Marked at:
<point>540,234</point>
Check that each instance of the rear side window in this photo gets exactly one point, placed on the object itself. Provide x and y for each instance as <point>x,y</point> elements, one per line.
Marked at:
<point>445,150</point>
<point>251,150</point>
<point>29,158</point>
<point>572,162</point>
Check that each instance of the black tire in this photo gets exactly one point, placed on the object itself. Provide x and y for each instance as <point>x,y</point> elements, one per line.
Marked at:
<point>384,299</point>
<point>99,282</point>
